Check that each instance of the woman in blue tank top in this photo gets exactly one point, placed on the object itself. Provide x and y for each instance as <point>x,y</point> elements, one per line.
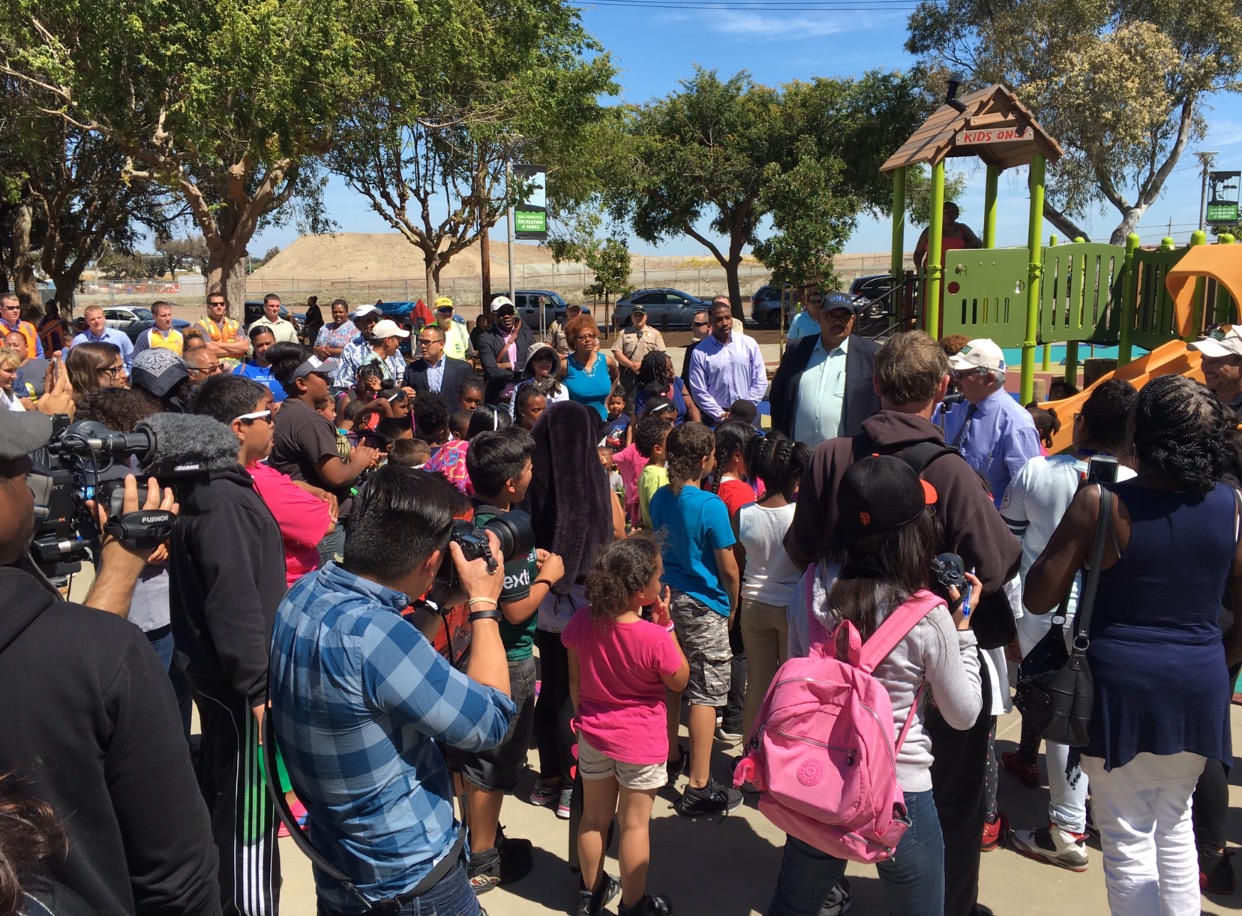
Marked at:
<point>588,372</point>
<point>1157,656</point>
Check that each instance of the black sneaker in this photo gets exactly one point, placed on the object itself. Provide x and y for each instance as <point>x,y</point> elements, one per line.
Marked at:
<point>650,905</point>
<point>516,858</point>
<point>1216,872</point>
<point>592,903</point>
<point>713,798</point>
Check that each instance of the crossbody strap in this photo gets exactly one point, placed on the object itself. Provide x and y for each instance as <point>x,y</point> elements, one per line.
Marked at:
<point>1086,603</point>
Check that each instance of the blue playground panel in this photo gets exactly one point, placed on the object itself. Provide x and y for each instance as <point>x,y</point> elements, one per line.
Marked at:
<point>1013,355</point>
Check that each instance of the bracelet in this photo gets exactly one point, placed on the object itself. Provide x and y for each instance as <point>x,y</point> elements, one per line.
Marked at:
<point>548,582</point>
<point>489,614</point>
<point>492,601</point>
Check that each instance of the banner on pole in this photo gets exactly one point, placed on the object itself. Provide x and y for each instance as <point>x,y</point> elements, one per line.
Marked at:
<point>530,216</point>
<point>1222,203</point>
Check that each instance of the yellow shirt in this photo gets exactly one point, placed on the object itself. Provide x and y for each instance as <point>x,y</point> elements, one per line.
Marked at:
<point>157,341</point>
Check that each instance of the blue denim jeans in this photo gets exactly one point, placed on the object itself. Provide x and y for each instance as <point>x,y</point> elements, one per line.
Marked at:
<point>452,896</point>
<point>913,879</point>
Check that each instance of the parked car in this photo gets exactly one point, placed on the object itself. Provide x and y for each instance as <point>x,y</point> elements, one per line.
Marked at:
<point>765,307</point>
<point>529,302</point>
<point>133,320</point>
<point>873,288</point>
<point>666,308</point>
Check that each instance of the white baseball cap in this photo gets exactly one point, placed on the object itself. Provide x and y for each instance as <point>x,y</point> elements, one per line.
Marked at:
<point>388,328</point>
<point>980,353</point>
<point>1224,341</point>
<point>364,310</point>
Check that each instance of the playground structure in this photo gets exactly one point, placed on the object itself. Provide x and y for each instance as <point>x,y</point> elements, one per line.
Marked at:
<point>1041,295</point>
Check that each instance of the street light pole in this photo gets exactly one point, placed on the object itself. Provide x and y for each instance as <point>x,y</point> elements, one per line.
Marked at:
<point>1205,160</point>
<point>509,225</point>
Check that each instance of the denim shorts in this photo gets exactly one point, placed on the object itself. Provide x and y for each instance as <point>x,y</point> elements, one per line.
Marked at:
<point>704,637</point>
<point>497,769</point>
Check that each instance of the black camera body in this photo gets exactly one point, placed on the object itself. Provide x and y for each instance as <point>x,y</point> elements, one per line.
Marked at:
<point>949,571</point>
<point>513,531</point>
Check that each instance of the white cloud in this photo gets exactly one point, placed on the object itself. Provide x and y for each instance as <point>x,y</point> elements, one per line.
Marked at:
<point>772,27</point>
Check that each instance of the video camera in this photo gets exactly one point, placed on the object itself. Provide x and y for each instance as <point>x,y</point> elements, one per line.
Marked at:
<point>69,471</point>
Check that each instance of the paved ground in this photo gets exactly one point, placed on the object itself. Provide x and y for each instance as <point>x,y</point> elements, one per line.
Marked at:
<point>728,866</point>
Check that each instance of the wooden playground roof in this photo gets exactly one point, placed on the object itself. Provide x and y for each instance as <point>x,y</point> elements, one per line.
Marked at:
<point>991,109</point>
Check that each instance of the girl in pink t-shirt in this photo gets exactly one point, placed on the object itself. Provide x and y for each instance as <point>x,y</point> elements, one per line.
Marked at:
<point>619,667</point>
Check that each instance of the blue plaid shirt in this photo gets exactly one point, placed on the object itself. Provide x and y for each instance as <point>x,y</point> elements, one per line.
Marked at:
<point>358,697</point>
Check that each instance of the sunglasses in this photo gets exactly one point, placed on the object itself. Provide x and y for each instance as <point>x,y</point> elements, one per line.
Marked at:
<point>205,370</point>
<point>700,324</point>
<point>251,417</point>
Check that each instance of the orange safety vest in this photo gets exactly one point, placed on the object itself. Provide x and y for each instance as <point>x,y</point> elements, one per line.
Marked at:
<point>27,330</point>
<point>213,329</point>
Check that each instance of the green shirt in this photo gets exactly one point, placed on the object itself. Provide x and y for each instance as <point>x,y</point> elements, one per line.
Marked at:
<point>518,639</point>
<point>651,479</point>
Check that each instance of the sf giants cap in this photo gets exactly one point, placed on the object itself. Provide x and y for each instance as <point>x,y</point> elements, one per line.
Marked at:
<point>878,494</point>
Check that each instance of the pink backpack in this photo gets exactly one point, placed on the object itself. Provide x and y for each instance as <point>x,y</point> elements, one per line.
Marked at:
<point>821,752</point>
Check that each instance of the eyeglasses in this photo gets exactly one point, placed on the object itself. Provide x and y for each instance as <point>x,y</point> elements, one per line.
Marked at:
<point>205,370</point>
<point>428,341</point>
<point>588,337</point>
<point>251,417</point>
<point>113,371</point>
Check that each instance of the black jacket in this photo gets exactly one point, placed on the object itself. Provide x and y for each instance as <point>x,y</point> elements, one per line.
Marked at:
<point>228,576</point>
<point>490,345</point>
<point>456,371</point>
<point>860,402</point>
<point>89,723</point>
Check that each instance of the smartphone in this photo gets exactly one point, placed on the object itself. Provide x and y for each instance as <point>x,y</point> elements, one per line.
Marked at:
<point>966,590</point>
<point>1102,469</point>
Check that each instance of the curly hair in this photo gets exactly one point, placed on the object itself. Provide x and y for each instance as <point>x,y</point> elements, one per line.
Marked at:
<point>1106,412</point>
<point>578,324</point>
<point>1179,431</point>
<point>777,461</point>
<point>623,568</point>
<point>431,415</point>
<point>685,449</point>
<point>655,369</point>
<point>731,438</point>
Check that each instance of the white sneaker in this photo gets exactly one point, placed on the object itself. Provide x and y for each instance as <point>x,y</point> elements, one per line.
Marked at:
<point>1053,844</point>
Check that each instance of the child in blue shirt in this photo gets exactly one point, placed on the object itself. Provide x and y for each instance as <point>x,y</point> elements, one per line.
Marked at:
<point>702,571</point>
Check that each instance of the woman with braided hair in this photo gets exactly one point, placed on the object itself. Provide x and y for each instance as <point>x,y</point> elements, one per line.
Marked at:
<point>769,577</point>
<point>1171,554</point>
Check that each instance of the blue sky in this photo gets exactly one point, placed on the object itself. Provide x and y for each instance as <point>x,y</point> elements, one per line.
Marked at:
<point>656,49</point>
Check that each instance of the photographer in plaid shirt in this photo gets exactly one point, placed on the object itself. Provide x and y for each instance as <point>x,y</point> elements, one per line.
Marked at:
<point>360,698</point>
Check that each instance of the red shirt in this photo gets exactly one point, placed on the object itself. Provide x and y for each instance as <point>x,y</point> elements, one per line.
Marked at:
<point>735,494</point>
<point>302,518</point>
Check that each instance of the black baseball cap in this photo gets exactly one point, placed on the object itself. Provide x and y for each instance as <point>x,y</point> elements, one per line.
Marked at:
<point>838,300</point>
<point>877,494</point>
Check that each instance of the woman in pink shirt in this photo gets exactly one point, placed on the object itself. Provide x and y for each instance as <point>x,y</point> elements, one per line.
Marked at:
<point>619,668</point>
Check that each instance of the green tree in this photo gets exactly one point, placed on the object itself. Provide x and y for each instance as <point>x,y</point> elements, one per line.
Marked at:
<point>720,155</point>
<point>428,146</point>
<point>223,103</point>
<point>608,257</point>
<point>1120,83</point>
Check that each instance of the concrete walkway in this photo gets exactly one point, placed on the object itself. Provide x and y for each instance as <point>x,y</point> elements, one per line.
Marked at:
<point>728,866</point>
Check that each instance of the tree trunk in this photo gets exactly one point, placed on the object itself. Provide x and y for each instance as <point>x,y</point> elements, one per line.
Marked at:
<point>18,264</point>
<point>485,260</point>
<point>66,290</point>
<point>735,288</point>
<point>1063,224</point>
<point>432,278</point>
<point>1129,222</point>
<point>226,273</point>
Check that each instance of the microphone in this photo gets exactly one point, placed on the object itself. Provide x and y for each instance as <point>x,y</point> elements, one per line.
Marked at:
<point>188,444</point>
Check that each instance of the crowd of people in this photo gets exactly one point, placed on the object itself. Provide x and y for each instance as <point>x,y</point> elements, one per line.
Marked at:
<point>407,571</point>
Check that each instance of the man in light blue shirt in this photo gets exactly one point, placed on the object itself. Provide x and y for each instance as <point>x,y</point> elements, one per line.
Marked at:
<point>725,367</point>
<point>806,322</point>
<point>823,388</point>
<point>995,434</point>
<point>97,331</point>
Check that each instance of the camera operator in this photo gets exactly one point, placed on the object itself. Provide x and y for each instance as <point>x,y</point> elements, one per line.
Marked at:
<point>360,698</point>
<point>89,717</point>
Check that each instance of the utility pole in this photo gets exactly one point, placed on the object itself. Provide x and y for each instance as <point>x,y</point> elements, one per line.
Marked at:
<point>1205,160</point>
<point>509,224</point>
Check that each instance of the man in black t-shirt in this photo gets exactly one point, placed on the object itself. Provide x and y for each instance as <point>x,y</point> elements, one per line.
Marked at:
<point>304,441</point>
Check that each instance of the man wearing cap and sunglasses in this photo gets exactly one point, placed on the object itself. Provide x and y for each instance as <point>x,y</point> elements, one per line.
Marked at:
<point>456,337</point>
<point>502,351</point>
<point>1222,365</point>
<point>304,440</point>
<point>434,370</point>
<point>995,434</point>
<point>823,387</point>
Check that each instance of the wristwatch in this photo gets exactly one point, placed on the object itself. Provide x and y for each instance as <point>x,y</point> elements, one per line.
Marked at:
<point>489,614</point>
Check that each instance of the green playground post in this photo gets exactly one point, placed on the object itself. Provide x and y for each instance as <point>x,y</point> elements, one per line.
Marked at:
<point>897,267</point>
<point>935,258</point>
<point>1046,349</point>
<point>989,206</point>
<point>1034,270</point>
<point>1129,301</point>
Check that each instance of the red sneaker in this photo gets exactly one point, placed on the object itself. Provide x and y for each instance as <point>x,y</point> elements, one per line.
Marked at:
<point>995,831</point>
<point>1025,773</point>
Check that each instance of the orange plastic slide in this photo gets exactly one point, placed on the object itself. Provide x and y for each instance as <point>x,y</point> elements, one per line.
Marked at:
<point>1173,358</point>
